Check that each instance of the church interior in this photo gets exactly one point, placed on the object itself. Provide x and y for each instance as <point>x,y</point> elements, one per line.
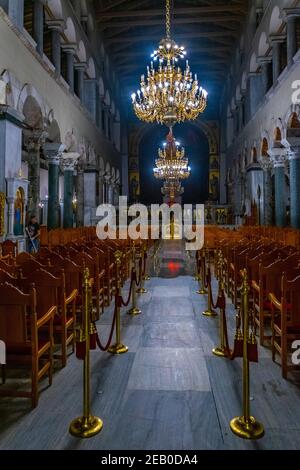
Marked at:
<point>122,343</point>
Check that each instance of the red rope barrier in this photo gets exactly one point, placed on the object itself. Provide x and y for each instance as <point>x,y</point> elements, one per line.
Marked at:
<point>99,344</point>
<point>133,279</point>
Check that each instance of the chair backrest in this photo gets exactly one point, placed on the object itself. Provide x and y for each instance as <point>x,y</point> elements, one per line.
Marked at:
<point>49,289</point>
<point>291,301</point>
<point>28,267</point>
<point>6,277</point>
<point>15,306</point>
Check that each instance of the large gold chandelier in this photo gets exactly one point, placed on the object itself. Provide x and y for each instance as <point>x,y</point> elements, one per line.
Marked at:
<point>169,94</point>
<point>172,165</point>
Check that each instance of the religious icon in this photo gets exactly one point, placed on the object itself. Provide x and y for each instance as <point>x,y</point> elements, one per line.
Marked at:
<point>214,187</point>
<point>19,213</point>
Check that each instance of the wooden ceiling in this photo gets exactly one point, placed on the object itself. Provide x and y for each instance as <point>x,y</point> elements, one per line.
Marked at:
<point>208,29</point>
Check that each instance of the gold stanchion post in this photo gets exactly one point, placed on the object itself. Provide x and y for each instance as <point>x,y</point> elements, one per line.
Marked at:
<point>134,309</point>
<point>141,289</point>
<point>222,350</point>
<point>246,426</point>
<point>146,275</point>
<point>202,275</point>
<point>118,347</point>
<point>87,425</point>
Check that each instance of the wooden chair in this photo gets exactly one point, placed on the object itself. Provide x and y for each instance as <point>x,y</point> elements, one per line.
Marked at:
<point>51,290</point>
<point>27,339</point>
<point>269,281</point>
<point>285,321</point>
<point>9,248</point>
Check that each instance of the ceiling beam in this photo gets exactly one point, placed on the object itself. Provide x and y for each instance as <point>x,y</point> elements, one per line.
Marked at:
<point>195,35</point>
<point>192,50</point>
<point>191,20</point>
<point>104,15</point>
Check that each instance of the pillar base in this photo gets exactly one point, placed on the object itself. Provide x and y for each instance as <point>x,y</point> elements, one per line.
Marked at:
<point>221,352</point>
<point>86,427</point>
<point>210,313</point>
<point>118,349</point>
<point>247,430</point>
<point>134,311</point>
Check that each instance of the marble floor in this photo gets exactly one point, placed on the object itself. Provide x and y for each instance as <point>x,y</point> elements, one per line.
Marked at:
<point>167,392</point>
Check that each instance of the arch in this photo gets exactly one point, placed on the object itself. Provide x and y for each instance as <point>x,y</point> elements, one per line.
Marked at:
<point>33,113</point>
<point>263,45</point>
<point>91,70</point>
<point>70,31</point>
<point>253,155</point>
<point>71,142</point>
<point>56,8</point>
<point>53,131</point>
<point>275,21</point>
<point>253,63</point>
<point>81,52</point>
<point>277,134</point>
<point>26,92</point>
<point>293,121</point>
<point>265,147</point>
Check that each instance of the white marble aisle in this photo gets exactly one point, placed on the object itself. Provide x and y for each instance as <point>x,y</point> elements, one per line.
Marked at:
<point>167,392</point>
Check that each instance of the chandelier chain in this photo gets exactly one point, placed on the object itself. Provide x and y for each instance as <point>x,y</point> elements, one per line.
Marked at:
<point>168,19</point>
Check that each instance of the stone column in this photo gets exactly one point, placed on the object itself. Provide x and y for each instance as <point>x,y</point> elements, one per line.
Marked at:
<point>266,165</point>
<point>38,26</point>
<point>70,50</point>
<point>80,67</point>
<point>278,156</point>
<point>53,154</point>
<point>291,14</point>
<point>276,41</point>
<point>294,164</point>
<point>15,10</point>
<point>56,27</point>
<point>68,162</point>
<point>265,63</point>
<point>80,194</point>
<point>10,217</point>
<point>101,188</point>
<point>33,142</point>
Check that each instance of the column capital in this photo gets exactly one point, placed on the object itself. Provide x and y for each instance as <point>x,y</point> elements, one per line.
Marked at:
<point>294,150</point>
<point>69,48</point>
<point>69,161</point>
<point>277,38</point>
<point>264,59</point>
<point>265,163</point>
<point>56,24</point>
<point>53,152</point>
<point>33,140</point>
<point>290,13</point>
<point>278,157</point>
<point>80,66</point>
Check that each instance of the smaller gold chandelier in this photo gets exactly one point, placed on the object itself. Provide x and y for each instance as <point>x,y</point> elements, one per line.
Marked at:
<point>172,189</point>
<point>172,165</point>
